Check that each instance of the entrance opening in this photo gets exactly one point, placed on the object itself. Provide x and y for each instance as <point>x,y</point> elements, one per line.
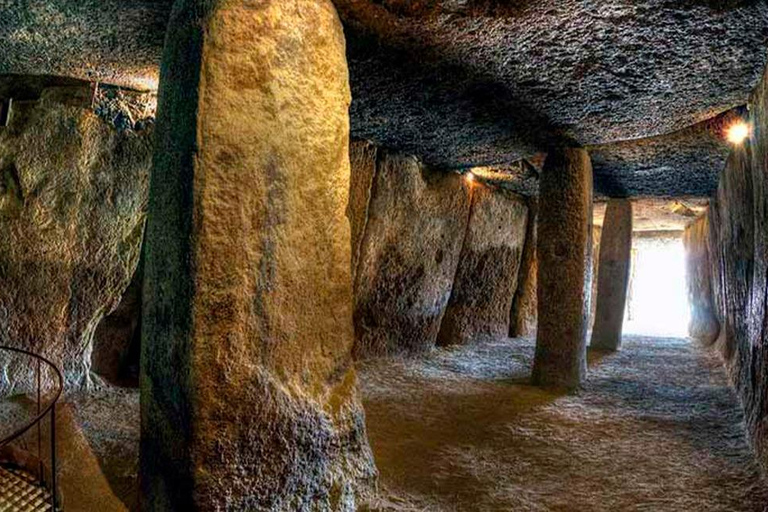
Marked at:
<point>657,303</point>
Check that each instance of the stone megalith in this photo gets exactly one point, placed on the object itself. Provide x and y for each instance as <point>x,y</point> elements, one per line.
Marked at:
<point>417,219</point>
<point>487,276</point>
<point>363,158</point>
<point>522,321</point>
<point>704,326</point>
<point>73,194</point>
<point>564,251</point>
<point>613,277</point>
<point>248,392</point>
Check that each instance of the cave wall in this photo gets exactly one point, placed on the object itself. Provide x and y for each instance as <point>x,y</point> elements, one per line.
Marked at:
<point>487,276</point>
<point>416,221</point>
<point>73,194</point>
<point>738,249</point>
<point>522,321</point>
<point>704,326</point>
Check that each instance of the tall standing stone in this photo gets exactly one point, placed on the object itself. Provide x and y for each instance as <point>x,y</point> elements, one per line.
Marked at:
<point>523,315</point>
<point>613,279</point>
<point>248,392</point>
<point>564,251</point>
<point>416,222</point>
<point>486,279</point>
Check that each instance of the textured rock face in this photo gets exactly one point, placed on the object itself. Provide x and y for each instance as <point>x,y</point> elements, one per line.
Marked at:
<point>248,393</point>
<point>594,268</point>
<point>704,326</point>
<point>73,194</point>
<point>113,41</point>
<point>416,224</point>
<point>738,248</point>
<point>463,83</point>
<point>487,276</point>
<point>564,280</point>
<point>613,278</point>
<point>363,158</point>
<point>686,162</point>
<point>659,214</point>
<point>523,316</point>
<point>117,340</point>
<point>596,72</point>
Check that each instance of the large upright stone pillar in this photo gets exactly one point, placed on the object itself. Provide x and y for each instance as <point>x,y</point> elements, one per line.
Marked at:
<point>564,251</point>
<point>248,393</point>
<point>613,278</point>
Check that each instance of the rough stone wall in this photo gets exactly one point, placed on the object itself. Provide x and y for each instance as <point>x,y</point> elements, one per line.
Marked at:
<point>523,315</point>
<point>594,269</point>
<point>248,393</point>
<point>704,326</point>
<point>117,340</point>
<point>738,220</point>
<point>487,275</point>
<point>73,193</point>
<point>417,219</point>
<point>363,158</point>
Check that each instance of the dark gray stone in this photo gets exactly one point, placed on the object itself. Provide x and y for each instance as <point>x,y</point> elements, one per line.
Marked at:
<point>487,276</point>
<point>613,275</point>
<point>564,279</point>
<point>417,219</point>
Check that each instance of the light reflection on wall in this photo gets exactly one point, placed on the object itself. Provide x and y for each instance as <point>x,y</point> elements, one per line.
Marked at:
<point>658,301</point>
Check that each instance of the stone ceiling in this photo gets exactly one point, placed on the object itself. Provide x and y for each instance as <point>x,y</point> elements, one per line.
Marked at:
<point>465,83</point>
<point>658,214</point>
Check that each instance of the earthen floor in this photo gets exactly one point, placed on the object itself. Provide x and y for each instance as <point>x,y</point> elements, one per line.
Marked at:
<point>656,428</point>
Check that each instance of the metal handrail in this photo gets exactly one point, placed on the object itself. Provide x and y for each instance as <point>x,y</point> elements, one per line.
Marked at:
<point>37,420</point>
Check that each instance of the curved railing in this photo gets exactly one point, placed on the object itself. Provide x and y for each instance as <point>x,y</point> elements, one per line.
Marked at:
<point>43,410</point>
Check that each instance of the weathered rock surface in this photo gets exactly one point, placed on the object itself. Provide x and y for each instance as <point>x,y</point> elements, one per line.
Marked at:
<point>594,269</point>
<point>478,82</point>
<point>659,214</point>
<point>248,392</point>
<point>113,41</point>
<point>417,219</point>
<point>487,276</point>
<point>463,83</point>
<point>686,162</point>
<point>117,340</point>
<point>613,277</point>
<point>738,248</point>
<point>523,315</point>
<point>704,326</point>
<point>363,159</point>
<point>564,279</point>
<point>73,193</point>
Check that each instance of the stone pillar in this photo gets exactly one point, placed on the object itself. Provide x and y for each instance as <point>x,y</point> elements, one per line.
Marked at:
<point>704,326</point>
<point>486,279</point>
<point>613,279</point>
<point>523,315</point>
<point>248,394</point>
<point>564,251</point>
<point>416,222</point>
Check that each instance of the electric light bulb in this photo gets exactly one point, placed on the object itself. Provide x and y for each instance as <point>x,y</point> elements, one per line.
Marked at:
<point>738,132</point>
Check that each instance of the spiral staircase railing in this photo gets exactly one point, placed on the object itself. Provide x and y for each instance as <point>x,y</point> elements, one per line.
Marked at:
<point>43,410</point>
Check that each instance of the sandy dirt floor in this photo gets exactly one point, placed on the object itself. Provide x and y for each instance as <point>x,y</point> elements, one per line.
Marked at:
<point>655,429</point>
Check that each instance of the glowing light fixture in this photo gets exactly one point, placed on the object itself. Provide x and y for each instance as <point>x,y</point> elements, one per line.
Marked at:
<point>738,132</point>
<point>470,177</point>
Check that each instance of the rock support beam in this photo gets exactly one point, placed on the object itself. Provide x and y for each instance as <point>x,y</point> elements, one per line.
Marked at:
<point>564,280</point>
<point>613,277</point>
<point>248,392</point>
<point>487,276</point>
